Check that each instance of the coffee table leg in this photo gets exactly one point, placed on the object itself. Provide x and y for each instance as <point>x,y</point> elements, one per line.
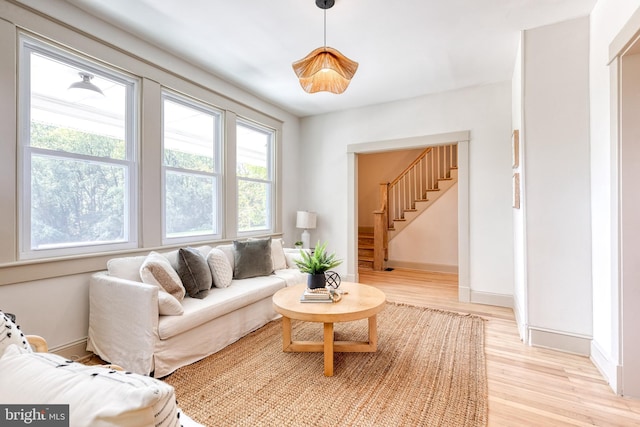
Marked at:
<point>286,333</point>
<point>373,333</point>
<point>328,349</point>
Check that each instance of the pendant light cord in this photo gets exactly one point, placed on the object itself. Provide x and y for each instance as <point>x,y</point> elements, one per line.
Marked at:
<point>325,28</point>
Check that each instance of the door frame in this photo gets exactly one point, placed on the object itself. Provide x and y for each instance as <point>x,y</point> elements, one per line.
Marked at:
<point>462,140</point>
<point>624,66</point>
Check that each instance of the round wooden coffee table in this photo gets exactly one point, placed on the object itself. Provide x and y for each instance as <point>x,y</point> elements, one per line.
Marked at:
<point>359,302</point>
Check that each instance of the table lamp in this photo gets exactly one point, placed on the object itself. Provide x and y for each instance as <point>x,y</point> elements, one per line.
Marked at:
<point>305,220</point>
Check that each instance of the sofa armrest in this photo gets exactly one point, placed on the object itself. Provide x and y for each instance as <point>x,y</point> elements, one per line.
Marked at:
<point>123,322</point>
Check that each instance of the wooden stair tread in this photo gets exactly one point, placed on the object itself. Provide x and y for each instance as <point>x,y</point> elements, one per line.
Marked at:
<point>365,258</point>
<point>366,246</point>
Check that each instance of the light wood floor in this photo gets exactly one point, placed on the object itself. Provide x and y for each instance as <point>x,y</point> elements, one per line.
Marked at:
<point>528,386</point>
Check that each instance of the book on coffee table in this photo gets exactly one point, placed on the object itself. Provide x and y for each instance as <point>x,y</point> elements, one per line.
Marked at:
<point>315,295</point>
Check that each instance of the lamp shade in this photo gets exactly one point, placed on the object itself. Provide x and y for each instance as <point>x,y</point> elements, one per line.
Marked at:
<point>325,70</point>
<point>306,220</point>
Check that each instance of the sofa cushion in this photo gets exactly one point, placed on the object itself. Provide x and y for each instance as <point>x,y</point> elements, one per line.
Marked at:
<point>219,302</point>
<point>96,396</point>
<point>126,267</point>
<point>156,270</point>
<point>292,276</point>
<point>220,268</point>
<point>194,272</point>
<point>252,258</point>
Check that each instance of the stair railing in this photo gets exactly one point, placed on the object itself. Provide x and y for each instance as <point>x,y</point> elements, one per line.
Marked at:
<point>400,195</point>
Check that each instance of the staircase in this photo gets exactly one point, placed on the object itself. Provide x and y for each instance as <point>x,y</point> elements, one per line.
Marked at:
<point>420,205</point>
<point>429,176</point>
<point>365,248</point>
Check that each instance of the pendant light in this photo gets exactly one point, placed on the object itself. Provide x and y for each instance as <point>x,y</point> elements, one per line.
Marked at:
<point>325,69</point>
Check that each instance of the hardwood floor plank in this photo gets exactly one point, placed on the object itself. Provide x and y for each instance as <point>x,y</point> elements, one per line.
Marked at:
<point>527,386</point>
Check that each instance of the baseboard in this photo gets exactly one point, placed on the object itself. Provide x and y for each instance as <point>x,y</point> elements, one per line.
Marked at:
<point>562,341</point>
<point>609,370</point>
<point>73,351</point>
<point>488,298</point>
<point>440,268</point>
<point>464,294</point>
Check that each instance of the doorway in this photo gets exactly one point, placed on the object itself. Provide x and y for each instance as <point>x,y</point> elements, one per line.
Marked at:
<point>462,139</point>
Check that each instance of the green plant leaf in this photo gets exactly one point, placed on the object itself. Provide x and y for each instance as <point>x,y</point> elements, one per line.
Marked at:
<point>318,262</point>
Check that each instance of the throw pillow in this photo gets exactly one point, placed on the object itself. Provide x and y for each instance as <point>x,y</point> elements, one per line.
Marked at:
<point>194,272</point>
<point>230,254</point>
<point>291,255</point>
<point>220,268</point>
<point>10,333</point>
<point>252,258</point>
<point>156,270</point>
<point>277,255</point>
<point>96,396</point>
<point>168,305</point>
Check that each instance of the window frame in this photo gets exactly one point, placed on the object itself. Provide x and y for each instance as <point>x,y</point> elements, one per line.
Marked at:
<point>217,173</point>
<point>271,181</point>
<point>28,44</point>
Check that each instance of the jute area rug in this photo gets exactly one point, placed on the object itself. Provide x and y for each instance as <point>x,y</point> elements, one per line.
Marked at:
<point>429,370</point>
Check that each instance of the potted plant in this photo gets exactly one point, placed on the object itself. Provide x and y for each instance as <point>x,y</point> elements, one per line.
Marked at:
<point>298,244</point>
<point>316,264</point>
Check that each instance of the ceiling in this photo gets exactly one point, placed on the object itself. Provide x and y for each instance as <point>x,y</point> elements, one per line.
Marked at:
<point>405,48</point>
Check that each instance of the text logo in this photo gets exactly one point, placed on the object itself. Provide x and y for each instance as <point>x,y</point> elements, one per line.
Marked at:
<point>34,415</point>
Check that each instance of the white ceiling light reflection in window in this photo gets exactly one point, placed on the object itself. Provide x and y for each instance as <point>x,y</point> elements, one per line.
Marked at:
<point>55,104</point>
<point>86,85</point>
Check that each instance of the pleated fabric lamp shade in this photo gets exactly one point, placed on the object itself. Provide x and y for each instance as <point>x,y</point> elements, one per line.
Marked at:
<point>325,70</point>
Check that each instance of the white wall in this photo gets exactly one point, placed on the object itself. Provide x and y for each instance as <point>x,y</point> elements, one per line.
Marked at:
<point>432,238</point>
<point>484,110</point>
<point>607,19</point>
<point>556,154</point>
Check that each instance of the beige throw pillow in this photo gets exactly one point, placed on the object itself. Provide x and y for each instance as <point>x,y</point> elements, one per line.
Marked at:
<point>220,268</point>
<point>277,255</point>
<point>156,270</point>
<point>168,305</point>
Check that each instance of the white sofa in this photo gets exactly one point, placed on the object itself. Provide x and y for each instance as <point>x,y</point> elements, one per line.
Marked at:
<point>127,329</point>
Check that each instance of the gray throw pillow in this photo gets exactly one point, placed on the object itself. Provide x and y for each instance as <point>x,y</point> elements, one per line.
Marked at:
<point>252,258</point>
<point>194,272</point>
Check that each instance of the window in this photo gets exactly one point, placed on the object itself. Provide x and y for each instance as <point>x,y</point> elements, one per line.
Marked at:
<point>254,171</point>
<point>192,183</point>
<point>77,157</point>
